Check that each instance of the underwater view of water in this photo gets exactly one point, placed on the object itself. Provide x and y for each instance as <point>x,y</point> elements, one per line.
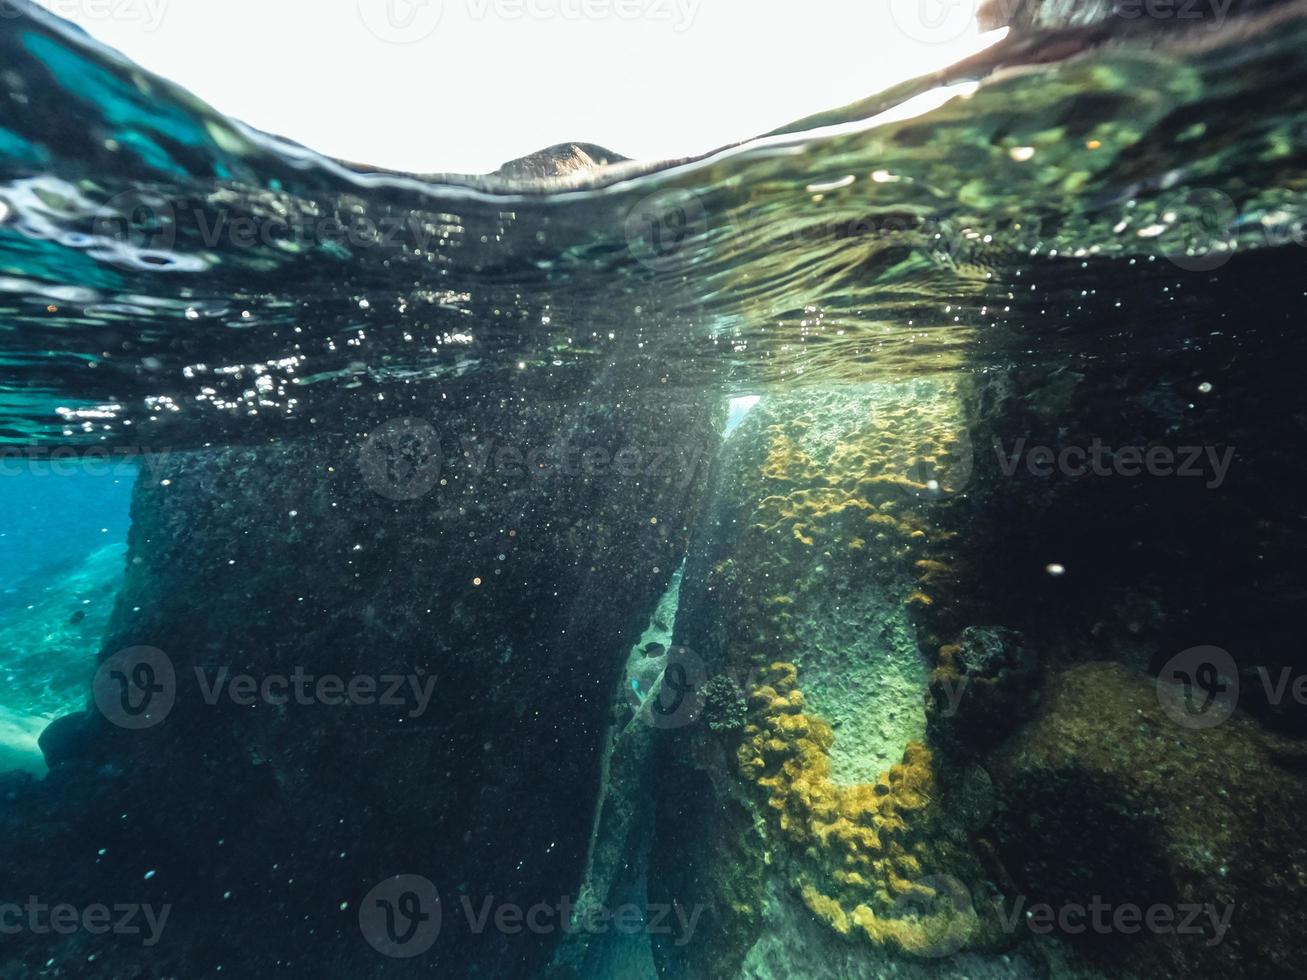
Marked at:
<point>873,550</point>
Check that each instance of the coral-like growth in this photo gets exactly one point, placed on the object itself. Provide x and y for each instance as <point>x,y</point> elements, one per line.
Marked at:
<point>838,519</point>
<point>860,500</point>
<point>984,685</point>
<point>866,845</point>
<point>724,707</point>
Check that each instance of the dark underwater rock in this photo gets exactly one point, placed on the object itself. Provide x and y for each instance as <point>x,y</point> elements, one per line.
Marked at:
<point>1106,577</point>
<point>68,740</point>
<point>724,707</point>
<point>802,585</point>
<point>983,687</point>
<point>1152,563</point>
<point>1105,796</point>
<point>508,594</point>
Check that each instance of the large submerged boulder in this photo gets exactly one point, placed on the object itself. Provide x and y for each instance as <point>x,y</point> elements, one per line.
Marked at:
<point>371,653</point>
<point>1105,799</point>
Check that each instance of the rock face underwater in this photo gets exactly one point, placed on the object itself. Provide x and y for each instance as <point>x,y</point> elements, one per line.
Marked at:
<point>857,687</point>
<point>500,593</point>
<point>949,708</point>
<point>1060,764</point>
<point>936,732</point>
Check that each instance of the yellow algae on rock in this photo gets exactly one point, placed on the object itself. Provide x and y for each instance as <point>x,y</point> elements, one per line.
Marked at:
<point>837,518</point>
<point>867,847</point>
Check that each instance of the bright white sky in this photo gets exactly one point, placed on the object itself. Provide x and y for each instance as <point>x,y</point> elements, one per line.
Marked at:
<point>463,85</point>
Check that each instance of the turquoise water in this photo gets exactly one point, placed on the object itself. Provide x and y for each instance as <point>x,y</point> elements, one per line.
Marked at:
<point>63,532</point>
<point>54,513</point>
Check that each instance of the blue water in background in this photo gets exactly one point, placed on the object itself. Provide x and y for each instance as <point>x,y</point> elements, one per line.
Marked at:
<point>63,527</point>
<point>54,513</point>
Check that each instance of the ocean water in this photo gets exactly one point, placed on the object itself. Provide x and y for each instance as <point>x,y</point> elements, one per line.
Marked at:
<point>63,536</point>
<point>872,550</point>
